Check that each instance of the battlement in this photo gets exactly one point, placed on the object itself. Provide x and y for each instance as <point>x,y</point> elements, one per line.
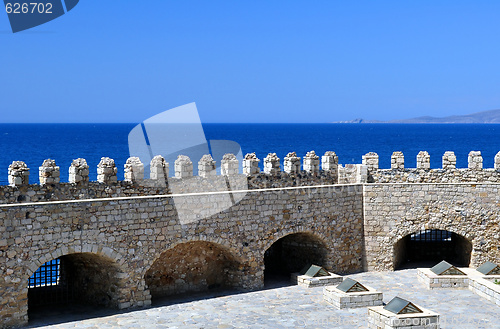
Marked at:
<point>310,170</point>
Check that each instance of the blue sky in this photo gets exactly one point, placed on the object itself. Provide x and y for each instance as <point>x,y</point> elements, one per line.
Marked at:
<point>253,61</point>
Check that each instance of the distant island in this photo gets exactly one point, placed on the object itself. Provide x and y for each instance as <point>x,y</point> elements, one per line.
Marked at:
<point>492,116</point>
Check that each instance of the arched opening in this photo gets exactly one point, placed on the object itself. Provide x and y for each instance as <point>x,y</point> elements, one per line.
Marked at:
<point>72,286</point>
<point>428,247</point>
<point>291,254</point>
<point>197,266</point>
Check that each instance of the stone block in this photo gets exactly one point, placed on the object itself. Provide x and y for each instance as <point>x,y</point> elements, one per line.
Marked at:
<point>311,163</point>
<point>291,163</point>
<point>311,282</point>
<point>434,281</point>
<point>229,165</point>
<point>19,173</point>
<point>133,170</point>
<point>370,160</point>
<point>271,164</point>
<point>329,161</point>
<point>378,318</point>
<point>251,164</point>
<point>340,299</point>
<point>183,167</point>
<point>397,160</point>
<point>423,160</point>
<point>449,160</point>
<point>475,160</point>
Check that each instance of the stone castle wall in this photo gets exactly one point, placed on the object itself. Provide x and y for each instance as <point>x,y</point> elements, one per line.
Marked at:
<point>129,235</point>
<point>133,238</point>
<point>448,173</point>
<point>393,211</point>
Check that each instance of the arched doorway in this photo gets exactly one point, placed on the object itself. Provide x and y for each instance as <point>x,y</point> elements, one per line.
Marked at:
<point>193,267</point>
<point>291,254</point>
<point>73,284</point>
<point>428,247</point>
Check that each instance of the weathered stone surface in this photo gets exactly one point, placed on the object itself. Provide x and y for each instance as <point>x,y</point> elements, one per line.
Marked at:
<point>229,165</point>
<point>79,171</point>
<point>106,171</point>
<point>449,160</point>
<point>423,160</point>
<point>475,160</point>
<point>251,164</point>
<point>370,159</point>
<point>206,166</point>
<point>311,163</point>
<point>134,170</point>
<point>397,160</point>
<point>19,173</point>
<point>183,167</point>
<point>271,164</point>
<point>291,163</point>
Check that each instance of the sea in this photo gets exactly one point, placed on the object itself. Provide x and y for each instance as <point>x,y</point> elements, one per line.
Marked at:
<point>32,143</point>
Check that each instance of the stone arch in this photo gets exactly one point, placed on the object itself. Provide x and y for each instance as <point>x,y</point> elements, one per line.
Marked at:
<point>91,276</point>
<point>61,251</point>
<point>289,231</point>
<point>429,245</point>
<point>291,251</point>
<point>194,265</point>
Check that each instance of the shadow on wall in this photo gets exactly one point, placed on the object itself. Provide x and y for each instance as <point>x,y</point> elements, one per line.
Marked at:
<point>291,254</point>
<point>71,284</point>
<point>429,247</point>
<point>193,267</point>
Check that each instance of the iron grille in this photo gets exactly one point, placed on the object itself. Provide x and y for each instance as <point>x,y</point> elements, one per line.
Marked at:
<point>431,236</point>
<point>47,275</point>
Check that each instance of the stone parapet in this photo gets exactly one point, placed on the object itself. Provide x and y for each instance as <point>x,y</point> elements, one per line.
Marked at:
<point>19,174</point>
<point>79,171</point>
<point>291,163</point>
<point>133,170</point>
<point>106,171</point>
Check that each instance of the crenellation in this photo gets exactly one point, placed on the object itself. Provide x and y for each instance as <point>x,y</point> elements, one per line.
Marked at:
<point>397,160</point>
<point>329,162</point>
<point>229,165</point>
<point>49,172</point>
<point>370,159</point>
<point>79,171</point>
<point>206,166</point>
<point>423,160</point>
<point>183,167</point>
<point>133,170</point>
<point>311,163</point>
<point>106,171</point>
<point>19,173</point>
<point>475,160</point>
<point>291,163</point>
<point>159,169</point>
<point>497,161</point>
<point>449,160</point>
<point>251,164</point>
<point>271,164</point>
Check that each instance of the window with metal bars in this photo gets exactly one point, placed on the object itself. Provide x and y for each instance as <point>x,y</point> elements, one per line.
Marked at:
<point>49,274</point>
<point>431,236</point>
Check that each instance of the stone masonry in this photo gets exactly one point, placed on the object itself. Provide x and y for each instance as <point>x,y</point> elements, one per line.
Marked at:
<point>130,233</point>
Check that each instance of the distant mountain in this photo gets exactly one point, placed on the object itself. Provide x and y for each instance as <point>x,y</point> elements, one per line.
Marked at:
<point>492,116</point>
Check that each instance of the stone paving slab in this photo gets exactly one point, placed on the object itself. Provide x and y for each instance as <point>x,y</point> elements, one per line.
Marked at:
<point>299,307</point>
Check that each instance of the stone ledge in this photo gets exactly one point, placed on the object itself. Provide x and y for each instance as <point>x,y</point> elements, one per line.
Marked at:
<point>434,281</point>
<point>378,318</point>
<point>340,299</point>
<point>310,282</point>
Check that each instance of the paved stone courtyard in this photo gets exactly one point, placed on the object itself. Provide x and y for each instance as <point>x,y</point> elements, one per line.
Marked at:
<point>298,307</point>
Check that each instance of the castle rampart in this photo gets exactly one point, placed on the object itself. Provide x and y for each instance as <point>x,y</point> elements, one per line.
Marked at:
<point>126,242</point>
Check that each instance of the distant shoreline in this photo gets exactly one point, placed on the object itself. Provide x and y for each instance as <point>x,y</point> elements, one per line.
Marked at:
<point>491,117</point>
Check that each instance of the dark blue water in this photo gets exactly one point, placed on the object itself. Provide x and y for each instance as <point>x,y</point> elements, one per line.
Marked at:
<point>33,143</point>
